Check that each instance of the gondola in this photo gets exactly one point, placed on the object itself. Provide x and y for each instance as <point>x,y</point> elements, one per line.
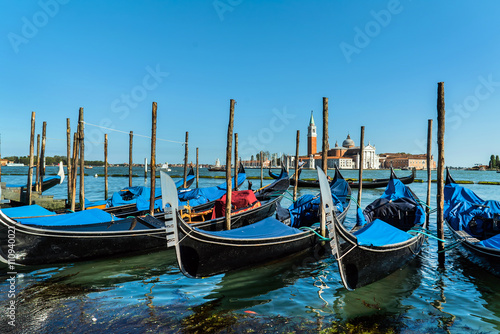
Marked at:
<point>41,237</point>
<point>202,253</point>
<point>389,233</point>
<point>474,223</point>
<point>375,183</point>
<point>47,183</point>
<point>131,199</point>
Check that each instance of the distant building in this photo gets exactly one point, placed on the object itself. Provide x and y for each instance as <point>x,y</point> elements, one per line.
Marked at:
<point>405,160</point>
<point>311,137</point>
<point>345,156</point>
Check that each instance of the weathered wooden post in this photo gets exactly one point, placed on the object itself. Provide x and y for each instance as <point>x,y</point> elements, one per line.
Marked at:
<point>30,168</point>
<point>153,161</point>
<point>440,167</point>
<point>68,156</point>
<point>145,169</point>
<point>324,154</point>
<point>261,169</point>
<point>429,169</point>
<point>42,155</point>
<point>197,169</point>
<point>296,174</point>
<point>38,184</point>
<point>236,161</point>
<point>130,144</point>
<point>229,150</point>
<point>361,163</point>
<point>186,153</point>
<point>105,166</point>
<point>74,171</point>
<point>81,140</point>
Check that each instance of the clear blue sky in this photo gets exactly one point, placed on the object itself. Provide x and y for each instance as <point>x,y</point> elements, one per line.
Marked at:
<point>378,62</point>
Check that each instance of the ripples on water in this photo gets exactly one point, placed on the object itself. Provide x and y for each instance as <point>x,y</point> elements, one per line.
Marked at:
<point>147,293</point>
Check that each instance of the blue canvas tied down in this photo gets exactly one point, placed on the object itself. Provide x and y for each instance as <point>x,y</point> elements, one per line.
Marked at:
<point>466,211</point>
<point>204,195</point>
<point>86,217</point>
<point>267,228</point>
<point>27,211</point>
<point>379,233</point>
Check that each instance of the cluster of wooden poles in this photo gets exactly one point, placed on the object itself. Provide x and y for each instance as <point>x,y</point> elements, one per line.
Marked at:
<point>77,158</point>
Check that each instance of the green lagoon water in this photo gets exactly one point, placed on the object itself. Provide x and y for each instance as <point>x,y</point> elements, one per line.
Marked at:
<point>147,293</point>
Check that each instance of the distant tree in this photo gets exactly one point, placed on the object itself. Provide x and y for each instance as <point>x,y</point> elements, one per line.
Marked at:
<point>251,158</point>
<point>497,161</point>
<point>493,163</point>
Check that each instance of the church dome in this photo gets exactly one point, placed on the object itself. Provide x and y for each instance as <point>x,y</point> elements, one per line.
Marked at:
<point>348,142</point>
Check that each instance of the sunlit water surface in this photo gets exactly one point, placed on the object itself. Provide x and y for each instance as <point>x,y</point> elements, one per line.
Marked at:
<point>147,292</point>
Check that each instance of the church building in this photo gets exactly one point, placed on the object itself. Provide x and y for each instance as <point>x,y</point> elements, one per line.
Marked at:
<point>344,157</point>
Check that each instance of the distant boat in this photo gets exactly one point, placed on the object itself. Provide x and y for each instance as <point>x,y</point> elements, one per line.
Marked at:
<point>217,167</point>
<point>14,164</point>
<point>164,167</point>
<point>89,167</point>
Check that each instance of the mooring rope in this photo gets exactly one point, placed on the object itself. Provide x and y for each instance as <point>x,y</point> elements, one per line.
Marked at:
<point>451,246</point>
<point>135,134</point>
<point>307,228</point>
<point>426,233</point>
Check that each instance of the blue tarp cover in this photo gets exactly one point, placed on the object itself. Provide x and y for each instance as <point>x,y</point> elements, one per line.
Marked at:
<point>462,205</point>
<point>304,212</point>
<point>379,233</point>
<point>397,193</point>
<point>493,242</point>
<point>92,216</point>
<point>267,228</point>
<point>27,211</point>
<point>199,196</point>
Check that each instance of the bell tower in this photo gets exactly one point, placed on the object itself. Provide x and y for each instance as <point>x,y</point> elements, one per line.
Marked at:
<point>311,137</point>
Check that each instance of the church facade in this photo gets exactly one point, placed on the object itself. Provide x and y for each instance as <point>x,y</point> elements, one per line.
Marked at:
<point>344,157</point>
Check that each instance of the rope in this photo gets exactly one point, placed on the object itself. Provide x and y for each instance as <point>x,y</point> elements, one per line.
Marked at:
<point>138,135</point>
<point>307,228</point>
<point>355,200</point>
<point>426,233</point>
<point>451,246</point>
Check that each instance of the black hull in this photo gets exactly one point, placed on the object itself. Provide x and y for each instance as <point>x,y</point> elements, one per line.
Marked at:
<point>202,255</point>
<point>35,246</point>
<point>365,265</point>
<point>377,183</point>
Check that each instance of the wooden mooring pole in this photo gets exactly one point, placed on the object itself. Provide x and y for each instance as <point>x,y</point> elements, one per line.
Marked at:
<point>74,170</point>
<point>81,140</point>
<point>296,174</point>
<point>153,161</point>
<point>324,155</point>
<point>30,168</point>
<point>68,156</point>
<point>130,145</point>
<point>429,170</point>
<point>186,153</point>
<point>229,150</point>
<point>440,172</point>
<point>42,155</point>
<point>105,166</point>
<point>37,180</point>
<point>236,161</point>
<point>197,169</point>
<point>145,169</point>
<point>361,163</point>
<point>261,169</point>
